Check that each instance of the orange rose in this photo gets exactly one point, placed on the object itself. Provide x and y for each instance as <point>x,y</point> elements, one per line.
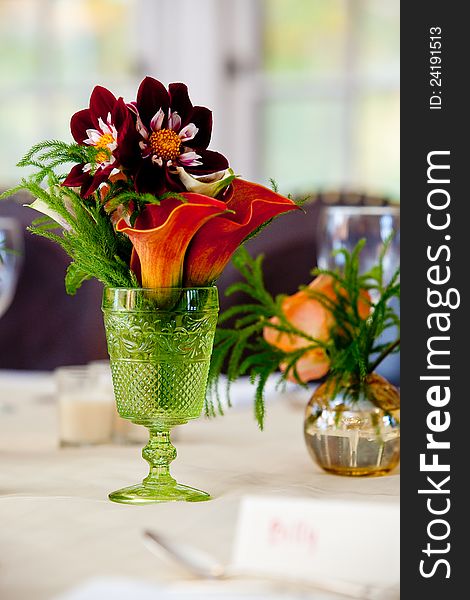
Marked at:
<point>310,316</point>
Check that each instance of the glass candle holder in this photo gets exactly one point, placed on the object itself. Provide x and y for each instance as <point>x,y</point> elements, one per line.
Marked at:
<point>86,409</point>
<point>124,431</point>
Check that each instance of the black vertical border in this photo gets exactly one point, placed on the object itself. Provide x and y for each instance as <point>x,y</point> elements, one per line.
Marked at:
<point>424,130</point>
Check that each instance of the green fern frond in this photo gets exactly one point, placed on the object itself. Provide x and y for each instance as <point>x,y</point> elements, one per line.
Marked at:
<point>96,250</point>
<point>174,195</point>
<point>352,348</point>
<point>274,185</point>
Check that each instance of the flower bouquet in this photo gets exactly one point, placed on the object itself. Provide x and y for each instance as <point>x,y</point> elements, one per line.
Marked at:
<point>148,210</point>
<point>331,330</point>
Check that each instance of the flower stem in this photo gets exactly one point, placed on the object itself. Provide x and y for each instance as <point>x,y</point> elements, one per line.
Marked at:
<point>384,354</point>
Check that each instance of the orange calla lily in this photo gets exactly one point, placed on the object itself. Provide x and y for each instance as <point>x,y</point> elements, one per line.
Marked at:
<point>161,235</point>
<point>214,243</point>
<point>309,315</point>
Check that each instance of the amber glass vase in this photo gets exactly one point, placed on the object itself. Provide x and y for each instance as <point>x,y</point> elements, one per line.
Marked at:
<point>160,345</point>
<point>354,430</point>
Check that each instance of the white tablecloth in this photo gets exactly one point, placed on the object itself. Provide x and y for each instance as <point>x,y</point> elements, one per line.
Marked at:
<point>58,528</point>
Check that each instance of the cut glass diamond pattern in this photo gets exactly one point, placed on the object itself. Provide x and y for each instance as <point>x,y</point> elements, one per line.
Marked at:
<point>160,362</point>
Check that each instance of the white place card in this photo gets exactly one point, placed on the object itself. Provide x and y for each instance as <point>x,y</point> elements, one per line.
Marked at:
<point>311,540</point>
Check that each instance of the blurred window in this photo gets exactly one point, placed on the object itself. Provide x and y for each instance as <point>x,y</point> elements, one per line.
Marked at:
<point>305,91</point>
<point>52,53</point>
<point>330,94</point>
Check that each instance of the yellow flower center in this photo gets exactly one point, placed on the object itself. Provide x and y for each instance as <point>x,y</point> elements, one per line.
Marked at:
<point>102,145</point>
<point>102,156</point>
<point>104,140</point>
<point>165,143</point>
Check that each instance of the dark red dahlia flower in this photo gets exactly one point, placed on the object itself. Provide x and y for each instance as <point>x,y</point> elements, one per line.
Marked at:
<point>108,126</point>
<point>173,133</point>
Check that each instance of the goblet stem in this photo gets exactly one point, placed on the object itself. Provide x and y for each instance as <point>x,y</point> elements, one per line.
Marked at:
<point>159,485</point>
<point>159,453</point>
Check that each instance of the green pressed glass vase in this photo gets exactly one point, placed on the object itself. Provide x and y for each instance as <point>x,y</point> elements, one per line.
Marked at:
<point>160,345</point>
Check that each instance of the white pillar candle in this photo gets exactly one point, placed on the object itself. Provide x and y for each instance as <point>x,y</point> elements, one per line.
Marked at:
<point>86,409</point>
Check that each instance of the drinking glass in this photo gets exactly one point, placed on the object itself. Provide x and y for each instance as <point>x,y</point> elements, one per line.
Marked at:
<point>160,345</point>
<point>11,251</point>
<point>343,227</point>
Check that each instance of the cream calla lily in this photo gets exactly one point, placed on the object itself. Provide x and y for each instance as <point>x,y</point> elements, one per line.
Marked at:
<point>209,185</point>
<point>45,209</point>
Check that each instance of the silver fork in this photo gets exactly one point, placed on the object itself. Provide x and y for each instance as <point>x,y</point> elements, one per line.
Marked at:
<point>204,566</point>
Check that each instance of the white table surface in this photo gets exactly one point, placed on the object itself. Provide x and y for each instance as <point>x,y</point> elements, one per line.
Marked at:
<point>59,530</point>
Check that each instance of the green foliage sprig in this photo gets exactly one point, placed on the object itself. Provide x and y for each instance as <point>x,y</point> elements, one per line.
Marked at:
<point>353,348</point>
<point>84,230</point>
<point>88,238</point>
<point>45,157</point>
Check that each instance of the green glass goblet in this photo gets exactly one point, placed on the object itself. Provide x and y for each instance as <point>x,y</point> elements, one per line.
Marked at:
<point>160,345</point>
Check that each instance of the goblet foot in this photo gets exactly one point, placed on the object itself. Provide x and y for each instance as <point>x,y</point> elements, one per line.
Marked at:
<point>148,494</point>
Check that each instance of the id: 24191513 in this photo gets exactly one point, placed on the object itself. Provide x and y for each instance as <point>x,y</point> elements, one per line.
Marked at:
<point>435,68</point>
